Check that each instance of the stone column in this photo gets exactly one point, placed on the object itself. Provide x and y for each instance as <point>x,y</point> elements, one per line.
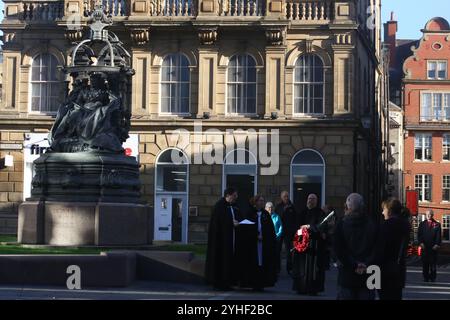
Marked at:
<point>140,101</point>
<point>208,7</point>
<point>11,76</point>
<point>275,79</point>
<point>344,12</point>
<point>139,8</point>
<point>275,8</point>
<point>73,7</point>
<point>207,79</point>
<point>343,77</point>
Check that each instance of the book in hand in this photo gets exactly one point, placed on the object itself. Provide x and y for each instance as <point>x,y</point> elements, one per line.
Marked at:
<point>246,221</point>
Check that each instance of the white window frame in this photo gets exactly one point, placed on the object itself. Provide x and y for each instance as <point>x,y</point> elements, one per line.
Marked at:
<point>251,171</point>
<point>445,186</point>
<point>424,139</point>
<point>433,108</point>
<point>436,64</point>
<point>228,82</point>
<point>31,82</point>
<point>177,84</point>
<point>308,84</point>
<point>423,181</point>
<point>445,146</point>
<point>445,225</point>
<point>185,194</point>
<point>323,165</point>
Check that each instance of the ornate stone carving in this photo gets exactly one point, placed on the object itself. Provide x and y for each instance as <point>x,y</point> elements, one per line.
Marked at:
<point>308,46</point>
<point>74,35</point>
<point>140,36</point>
<point>207,36</point>
<point>343,39</point>
<point>274,37</point>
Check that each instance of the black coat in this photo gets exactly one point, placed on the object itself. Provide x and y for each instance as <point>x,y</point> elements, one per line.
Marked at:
<point>354,242</point>
<point>220,257</point>
<point>429,236</point>
<point>249,273</point>
<point>309,267</point>
<point>289,218</point>
<point>392,245</point>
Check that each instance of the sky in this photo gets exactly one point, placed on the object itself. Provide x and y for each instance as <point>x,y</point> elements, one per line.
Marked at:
<point>412,15</point>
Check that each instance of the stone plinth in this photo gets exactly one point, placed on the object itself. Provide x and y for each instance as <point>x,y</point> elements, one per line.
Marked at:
<point>84,223</point>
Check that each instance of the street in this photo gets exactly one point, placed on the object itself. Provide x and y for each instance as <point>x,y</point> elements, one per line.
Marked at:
<point>415,289</point>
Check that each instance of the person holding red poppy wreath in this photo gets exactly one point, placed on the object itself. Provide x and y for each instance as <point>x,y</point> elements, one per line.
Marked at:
<point>310,254</point>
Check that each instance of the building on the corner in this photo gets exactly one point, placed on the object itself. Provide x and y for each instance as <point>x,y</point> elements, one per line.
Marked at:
<point>395,153</point>
<point>304,71</point>
<point>421,84</point>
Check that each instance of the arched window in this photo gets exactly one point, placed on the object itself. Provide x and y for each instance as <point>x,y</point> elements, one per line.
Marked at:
<point>171,171</point>
<point>309,85</point>
<point>175,84</point>
<point>171,196</point>
<point>45,86</point>
<point>307,176</point>
<point>240,171</point>
<point>241,85</point>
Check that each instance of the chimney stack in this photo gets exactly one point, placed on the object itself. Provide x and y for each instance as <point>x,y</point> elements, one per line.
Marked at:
<point>390,38</point>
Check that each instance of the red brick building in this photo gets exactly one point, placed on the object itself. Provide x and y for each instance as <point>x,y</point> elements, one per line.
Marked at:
<point>421,83</point>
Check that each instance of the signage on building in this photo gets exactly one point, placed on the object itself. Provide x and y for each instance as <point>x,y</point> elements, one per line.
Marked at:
<point>10,146</point>
<point>36,144</point>
<point>412,201</point>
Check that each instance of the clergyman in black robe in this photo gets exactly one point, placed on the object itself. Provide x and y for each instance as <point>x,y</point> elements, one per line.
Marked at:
<point>256,249</point>
<point>220,269</point>
<point>309,266</point>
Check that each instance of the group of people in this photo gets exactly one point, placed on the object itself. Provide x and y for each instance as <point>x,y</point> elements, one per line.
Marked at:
<point>244,248</point>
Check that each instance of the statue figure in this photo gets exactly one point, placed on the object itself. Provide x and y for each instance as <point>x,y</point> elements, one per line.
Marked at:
<point>91,119</point>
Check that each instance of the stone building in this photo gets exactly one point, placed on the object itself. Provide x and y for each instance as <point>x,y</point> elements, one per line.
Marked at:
<point>298,74</point>
<point>423,87</point>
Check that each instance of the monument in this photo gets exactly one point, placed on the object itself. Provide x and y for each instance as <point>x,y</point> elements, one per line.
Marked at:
<point>85,190</point>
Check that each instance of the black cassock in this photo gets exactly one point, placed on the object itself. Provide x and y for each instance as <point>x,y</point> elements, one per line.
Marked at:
<point>250,273</point>
<point>220,266</point>
<point>309,267</point>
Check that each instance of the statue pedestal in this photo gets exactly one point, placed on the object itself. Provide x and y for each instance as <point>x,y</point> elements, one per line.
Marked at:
<point>85,198</point>
<point>84,223</point>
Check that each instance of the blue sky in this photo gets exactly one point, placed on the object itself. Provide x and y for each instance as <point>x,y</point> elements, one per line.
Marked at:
<point>412,15</point>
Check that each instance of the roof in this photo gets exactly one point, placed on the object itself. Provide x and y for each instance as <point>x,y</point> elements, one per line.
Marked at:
<point>402,52</point>
<point>437,24</point>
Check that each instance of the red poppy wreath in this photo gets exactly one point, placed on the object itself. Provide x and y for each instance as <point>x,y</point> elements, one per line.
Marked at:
<point>301,242</point>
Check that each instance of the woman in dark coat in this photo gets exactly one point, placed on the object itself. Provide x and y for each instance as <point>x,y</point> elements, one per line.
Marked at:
<point>256,248</point>
<point>391,250</point>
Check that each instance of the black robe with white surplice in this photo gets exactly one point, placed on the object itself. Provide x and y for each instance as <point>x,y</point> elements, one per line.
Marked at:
<point>220,269</point>
<point>249,273</point>
<point>309,267</point>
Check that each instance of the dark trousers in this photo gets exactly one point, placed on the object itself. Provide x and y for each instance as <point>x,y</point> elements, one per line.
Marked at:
<point>288,247</point>
<point>390,293</point>
<point>278,248</point>
<point>429,260</point>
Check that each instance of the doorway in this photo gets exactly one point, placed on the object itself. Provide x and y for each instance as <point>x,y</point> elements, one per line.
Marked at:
<point>171,197</point>
<point>169,220</point>
<point>240,172</point>
<point>307,176</point>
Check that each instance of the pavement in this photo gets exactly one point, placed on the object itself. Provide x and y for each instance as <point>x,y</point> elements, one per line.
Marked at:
<point>144,290</point>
